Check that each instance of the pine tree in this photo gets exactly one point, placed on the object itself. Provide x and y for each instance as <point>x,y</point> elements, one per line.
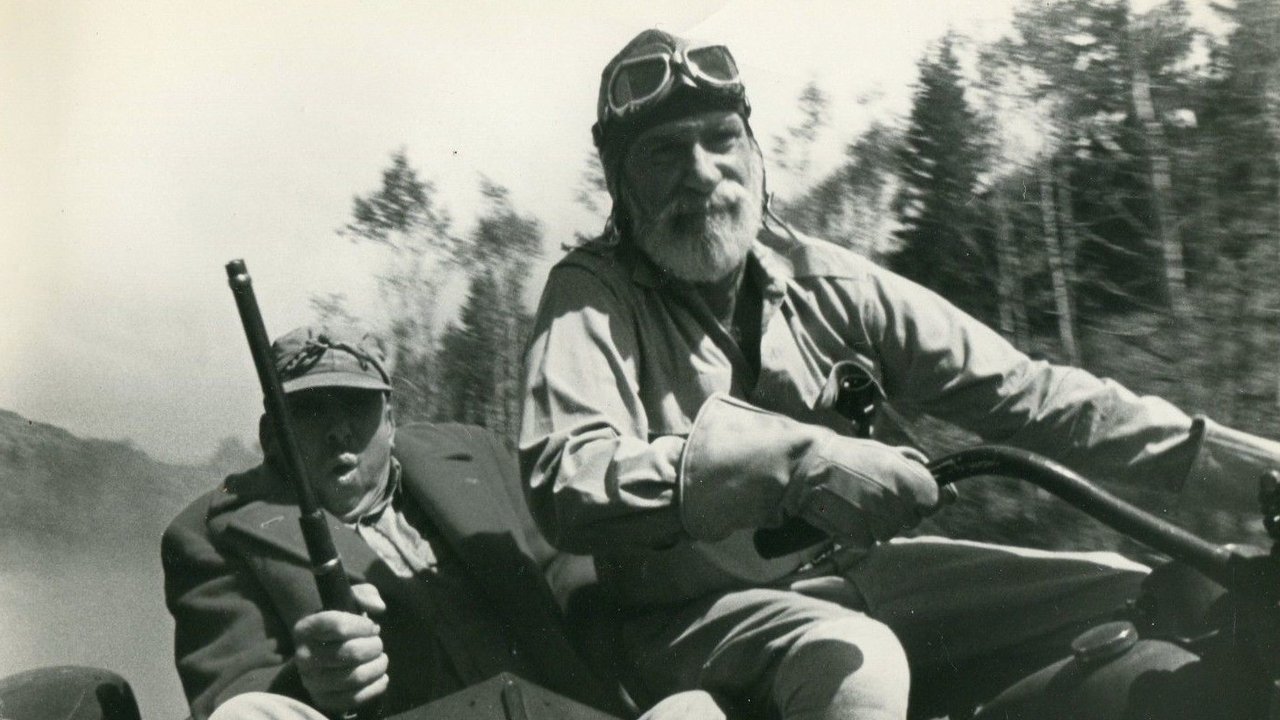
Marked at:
<point>939,166</point>
<point>480,356</point>
<point>403,217</point>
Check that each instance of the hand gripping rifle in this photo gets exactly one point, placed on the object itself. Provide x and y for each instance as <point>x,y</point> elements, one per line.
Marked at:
<point>331,579</point>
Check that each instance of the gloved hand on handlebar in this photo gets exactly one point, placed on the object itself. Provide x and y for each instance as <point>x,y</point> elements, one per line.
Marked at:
<point>746,468</point>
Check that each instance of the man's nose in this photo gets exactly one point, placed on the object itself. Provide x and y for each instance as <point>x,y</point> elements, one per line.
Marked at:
<point>338,430</point>
<point>703,174</point>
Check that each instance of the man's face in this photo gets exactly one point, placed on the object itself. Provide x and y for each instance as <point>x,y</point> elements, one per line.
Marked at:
<point>694,190</point>
<point>345,436</point>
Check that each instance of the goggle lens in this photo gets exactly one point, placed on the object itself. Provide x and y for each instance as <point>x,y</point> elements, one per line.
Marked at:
<point>638,80</point>
<point>713,63</point>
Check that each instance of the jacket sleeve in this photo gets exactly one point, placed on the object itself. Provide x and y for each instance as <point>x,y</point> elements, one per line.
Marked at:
<point>594,477</point>
<point>227,639</point>
<point>939,361</point>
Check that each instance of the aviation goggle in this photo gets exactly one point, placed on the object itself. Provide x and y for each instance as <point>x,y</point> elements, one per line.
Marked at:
<point>640,81</point>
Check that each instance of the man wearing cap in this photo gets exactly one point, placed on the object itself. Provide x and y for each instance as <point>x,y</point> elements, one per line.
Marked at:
<point>433,533</point>
<point>681,394</point>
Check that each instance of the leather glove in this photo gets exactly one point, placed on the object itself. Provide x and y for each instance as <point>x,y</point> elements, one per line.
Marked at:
<point>745,468</point>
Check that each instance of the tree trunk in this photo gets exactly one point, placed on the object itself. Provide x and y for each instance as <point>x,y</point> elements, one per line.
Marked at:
<point>1057,269</point>
<point>1271,104</point>
<point>1012,305</point>
<point>509,394</point>
<point>1217,292</point>
<point>1067,225</point>
<point>1175,282</point>
<point>1243,365</point>
<point>1275,132</point>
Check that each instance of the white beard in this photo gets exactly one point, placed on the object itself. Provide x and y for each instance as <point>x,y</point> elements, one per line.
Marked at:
<point>704,241</point>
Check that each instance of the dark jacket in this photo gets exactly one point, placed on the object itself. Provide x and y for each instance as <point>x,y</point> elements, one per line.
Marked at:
<point>237,580</point>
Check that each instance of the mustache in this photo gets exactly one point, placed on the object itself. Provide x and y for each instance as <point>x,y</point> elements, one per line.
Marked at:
<point>723,198</point>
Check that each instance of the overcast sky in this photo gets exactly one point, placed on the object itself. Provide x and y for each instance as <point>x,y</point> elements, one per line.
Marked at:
<point>142,145</point>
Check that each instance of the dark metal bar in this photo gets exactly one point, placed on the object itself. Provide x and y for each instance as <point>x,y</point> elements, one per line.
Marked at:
<point>1215,561</point>
<point>331,578</point>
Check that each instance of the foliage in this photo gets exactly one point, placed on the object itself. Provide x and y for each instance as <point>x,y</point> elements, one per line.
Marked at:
<point>792,152</point>
<point>480,355</point>
<point>1114,176</point>
<point>851,206</point>
<point>939,164</point>
<point>473,373</point>
<point>403,218</point>
<point>1092,170</point>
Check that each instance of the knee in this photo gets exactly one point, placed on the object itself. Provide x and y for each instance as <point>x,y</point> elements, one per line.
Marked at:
<point>844,667</point>
<point>265,706</point>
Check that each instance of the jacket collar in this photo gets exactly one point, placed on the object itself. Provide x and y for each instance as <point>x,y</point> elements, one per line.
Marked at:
<point>260,505</point>
<point>273,521</point>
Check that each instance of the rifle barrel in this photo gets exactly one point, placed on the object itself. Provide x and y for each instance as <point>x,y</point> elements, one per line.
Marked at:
<point>331,578</point>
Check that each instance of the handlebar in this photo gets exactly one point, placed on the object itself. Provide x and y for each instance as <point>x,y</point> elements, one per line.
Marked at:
<point>1214,561</point>
<point>1232,566</point>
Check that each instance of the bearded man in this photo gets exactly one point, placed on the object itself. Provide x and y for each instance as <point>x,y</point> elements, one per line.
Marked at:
<point>679,397</point>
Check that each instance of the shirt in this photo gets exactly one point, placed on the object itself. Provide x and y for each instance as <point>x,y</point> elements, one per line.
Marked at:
<point>399,532</point>
<point>388,532</point>
<point>623,358</point>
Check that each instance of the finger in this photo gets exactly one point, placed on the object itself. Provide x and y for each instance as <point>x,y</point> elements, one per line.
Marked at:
<point>332,626</point>
<point>372,690</point>
<point>914,494</point>
<point>369,672</point>
<point>369,599</point>
<point>914,454</point>
<point>334,702</point>
<point>353,678</point>
<point>336,687</point>
<point>341,657</point>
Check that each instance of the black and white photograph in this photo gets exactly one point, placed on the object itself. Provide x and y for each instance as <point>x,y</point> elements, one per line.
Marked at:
<point>685,359</point>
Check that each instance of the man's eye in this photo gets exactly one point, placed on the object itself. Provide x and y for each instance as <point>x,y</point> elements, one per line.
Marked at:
<point>665,152</point>
<point>722,140</point>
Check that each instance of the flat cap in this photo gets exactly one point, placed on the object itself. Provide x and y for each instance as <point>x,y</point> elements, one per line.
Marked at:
<point>324,356</point>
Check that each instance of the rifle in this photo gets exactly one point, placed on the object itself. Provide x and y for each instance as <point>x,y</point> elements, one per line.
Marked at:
<point>326,565</point>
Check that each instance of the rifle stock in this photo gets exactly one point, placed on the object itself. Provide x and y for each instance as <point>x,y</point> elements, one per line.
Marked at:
<point>331,578</point>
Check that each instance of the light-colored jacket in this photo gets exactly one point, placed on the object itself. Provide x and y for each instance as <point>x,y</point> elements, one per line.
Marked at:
<point>621,356</point>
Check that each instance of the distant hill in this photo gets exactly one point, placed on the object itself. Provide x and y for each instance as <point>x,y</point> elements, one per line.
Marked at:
<point>80,525</point>
<point>59,489</point>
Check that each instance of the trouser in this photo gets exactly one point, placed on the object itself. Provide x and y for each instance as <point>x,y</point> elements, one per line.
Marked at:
<point>691,705</point>
<point>963,618</point>
<point>265,706</point>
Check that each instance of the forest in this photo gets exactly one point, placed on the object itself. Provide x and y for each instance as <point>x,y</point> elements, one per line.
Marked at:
<point>1100,184</point>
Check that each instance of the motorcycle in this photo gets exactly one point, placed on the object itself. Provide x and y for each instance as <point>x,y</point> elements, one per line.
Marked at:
<point>1201,641</point>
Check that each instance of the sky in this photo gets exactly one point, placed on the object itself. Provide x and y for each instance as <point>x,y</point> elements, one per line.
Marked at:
<point>145,144</point>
